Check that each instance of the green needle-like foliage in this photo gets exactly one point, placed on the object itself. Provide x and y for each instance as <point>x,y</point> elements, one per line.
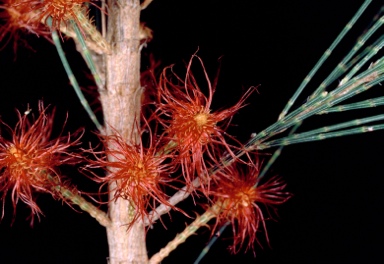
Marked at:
<point>87,55</point>
<point>73,81</point>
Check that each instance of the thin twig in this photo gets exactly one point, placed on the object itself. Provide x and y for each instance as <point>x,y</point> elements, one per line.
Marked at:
<point>188,231</point>
<point>145,4</point>
<point>92,210</point>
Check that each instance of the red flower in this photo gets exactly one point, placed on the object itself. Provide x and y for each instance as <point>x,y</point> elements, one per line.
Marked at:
<point>242,197</point>
<point>61,11</point>
<point>19,17</point>
<point>29,14</point>
<point>29,159</point>
<point>198,132</point>
<point>137,173</point>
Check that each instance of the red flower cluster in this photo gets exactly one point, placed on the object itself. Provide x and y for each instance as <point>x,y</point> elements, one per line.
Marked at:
<point>198,133</point>
<point>194,139</point>
<point>242,197</point>
<point>28,161</point>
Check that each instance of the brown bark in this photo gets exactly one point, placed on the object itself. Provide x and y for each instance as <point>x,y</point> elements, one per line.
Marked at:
<point>121,107</point>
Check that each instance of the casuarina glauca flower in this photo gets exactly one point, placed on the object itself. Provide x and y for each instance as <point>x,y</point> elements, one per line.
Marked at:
<point>197,132</point>
<point>61,11</point>
<point>18,16</point>
<point>29,160</point>
<point>243,197</point>
<point>30,14</point>
<point>138,173</point>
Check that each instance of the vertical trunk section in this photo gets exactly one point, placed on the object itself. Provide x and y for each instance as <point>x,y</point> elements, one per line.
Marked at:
<point>121,107</point>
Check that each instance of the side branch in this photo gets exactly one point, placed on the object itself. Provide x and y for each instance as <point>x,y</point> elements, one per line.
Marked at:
<point>145,4</point>
<point>188,231</point>
<point>92,210</point>
<point>179,196</point>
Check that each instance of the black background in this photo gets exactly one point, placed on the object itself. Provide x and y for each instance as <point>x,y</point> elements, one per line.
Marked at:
<point>335,215</point>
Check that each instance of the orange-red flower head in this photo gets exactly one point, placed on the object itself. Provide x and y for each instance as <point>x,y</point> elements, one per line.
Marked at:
<point>242,197</point>
<point>138,173</point>
<point>29,159</point>
<point>61,11</point>
<point>198,132</point>
<point>18,17</point>
<point>29,15</point>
